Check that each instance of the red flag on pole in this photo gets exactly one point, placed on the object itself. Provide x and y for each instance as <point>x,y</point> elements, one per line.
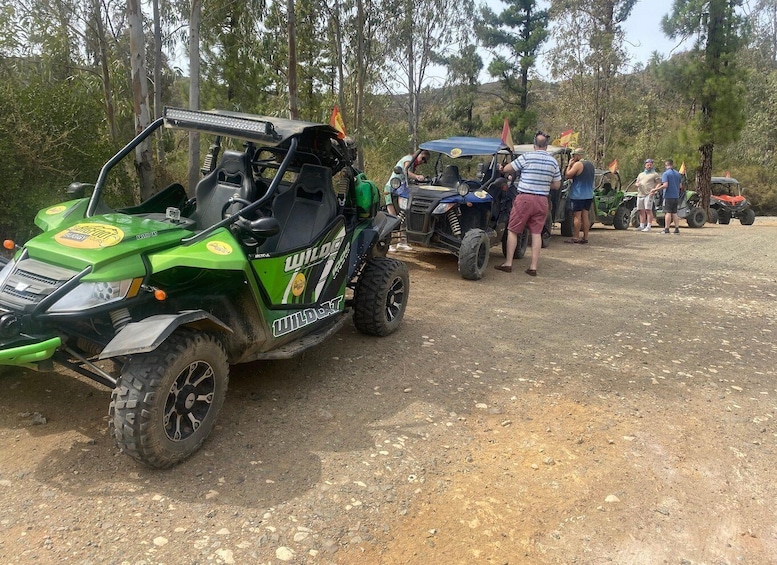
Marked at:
<point>613,166</point>
<point>728,175</point>
<point>507,137</point>
<point>336,121</point>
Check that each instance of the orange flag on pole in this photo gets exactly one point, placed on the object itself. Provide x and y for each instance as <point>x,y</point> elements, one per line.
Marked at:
<point>565,138</point>
<point>336,121</point>
<point>507,137</point>
<point>682,169</point>
<point>728,175</point>
<point>613,166</point>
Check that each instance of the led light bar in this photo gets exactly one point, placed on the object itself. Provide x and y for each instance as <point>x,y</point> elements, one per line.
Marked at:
<point>233,125</point>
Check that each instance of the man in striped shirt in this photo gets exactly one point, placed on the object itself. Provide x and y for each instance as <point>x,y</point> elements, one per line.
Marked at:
<point>538,174</point>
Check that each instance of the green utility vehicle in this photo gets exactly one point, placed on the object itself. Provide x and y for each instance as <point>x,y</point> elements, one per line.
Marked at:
<point>264,258</point>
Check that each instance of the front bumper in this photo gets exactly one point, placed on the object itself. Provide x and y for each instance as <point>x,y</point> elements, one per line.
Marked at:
<point>28,355</point>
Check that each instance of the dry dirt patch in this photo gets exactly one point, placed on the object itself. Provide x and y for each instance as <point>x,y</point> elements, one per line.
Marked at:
<point>618,408</point>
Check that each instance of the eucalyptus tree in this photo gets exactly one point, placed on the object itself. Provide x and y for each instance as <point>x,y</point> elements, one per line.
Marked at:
<point>412,43</point>
<point>590,63</point>
<point>463,83</point>
<point>712,80</point>
<point>515,35</point>
<point>143,160</point>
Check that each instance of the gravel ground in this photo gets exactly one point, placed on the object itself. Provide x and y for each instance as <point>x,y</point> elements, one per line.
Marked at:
<point>618,408</point>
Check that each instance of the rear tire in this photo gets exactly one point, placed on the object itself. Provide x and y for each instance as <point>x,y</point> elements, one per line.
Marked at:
<point>568,225</point>
<point>523,243</point>
<point>713,218</point>
<point>380,296</point>
<point>166,401</point>
<point>696,217</point>
<point>747,217</point>
<point>621,219</point>
<point>473,254</point>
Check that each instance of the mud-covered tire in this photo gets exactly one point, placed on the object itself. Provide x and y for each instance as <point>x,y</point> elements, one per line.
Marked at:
<point>568,225</point>
<point>380,296</point>
<point>166,401</point>
<point>696,217</point>
<point>523,243</point>
<point>473,254</point>
<point>621,219</point>
<point>713,218</point>
<point>747,217</point>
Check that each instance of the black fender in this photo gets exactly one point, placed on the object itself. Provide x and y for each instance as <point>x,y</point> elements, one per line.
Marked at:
<point>148,334</point>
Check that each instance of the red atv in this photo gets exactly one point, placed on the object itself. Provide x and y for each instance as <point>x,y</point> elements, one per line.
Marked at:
<point>727,202</point>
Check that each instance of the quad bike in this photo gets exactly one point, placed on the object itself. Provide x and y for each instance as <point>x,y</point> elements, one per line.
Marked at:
<point>263,259</point>
<point>727,202</point>
<point>688,208</point>
<point>464,217</point>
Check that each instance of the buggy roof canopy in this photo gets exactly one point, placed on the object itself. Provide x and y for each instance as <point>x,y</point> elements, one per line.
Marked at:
<point>465,146</point>
<point>552,149</point>
<point>724,180</point>
<point>262,129</point>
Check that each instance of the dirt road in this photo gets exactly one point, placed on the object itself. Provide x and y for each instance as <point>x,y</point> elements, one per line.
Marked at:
<point>618,408</point>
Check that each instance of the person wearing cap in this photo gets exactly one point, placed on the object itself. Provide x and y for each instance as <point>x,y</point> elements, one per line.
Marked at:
<point>646,181</point>
<point>581,193</point>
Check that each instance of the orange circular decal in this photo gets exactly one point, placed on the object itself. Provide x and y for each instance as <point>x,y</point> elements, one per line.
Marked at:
<point>219,247</point>
<point>89,236</point>
<point>55,210</point>
<point>298,286</point>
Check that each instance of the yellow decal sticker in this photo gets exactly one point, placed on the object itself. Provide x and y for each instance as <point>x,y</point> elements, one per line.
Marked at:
<point>480,193</point>
<point>89,236</point>
<point>455,152</point>
<point>298,286</point>
<point>55,210</point>
<point>219,247</point>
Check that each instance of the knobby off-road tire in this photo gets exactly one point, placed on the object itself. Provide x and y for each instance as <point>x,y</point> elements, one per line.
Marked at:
<point>747,217</point>
<point>713,219</point>
<point>380,296</point>
<point>166,401</point>
<point>473,254</point>
<point>621,219</point>
<point>724,218</point>
<point>696,217</point>
<point>568,225</point>
<point>520,249</point>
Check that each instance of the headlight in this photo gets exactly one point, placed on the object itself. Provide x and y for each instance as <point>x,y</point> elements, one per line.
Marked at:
<point>462,189</point>
<point>395,183</point>
<point>402,203</point>
<point>443,207</point>
<point>89,295</point>
<point>5,272</point>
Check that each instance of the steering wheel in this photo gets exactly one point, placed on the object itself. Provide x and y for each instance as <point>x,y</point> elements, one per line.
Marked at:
<point>234,200</point>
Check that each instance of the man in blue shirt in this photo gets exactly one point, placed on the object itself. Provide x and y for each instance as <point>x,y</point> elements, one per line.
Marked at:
<point>670,184</point>
<point>581,193</point>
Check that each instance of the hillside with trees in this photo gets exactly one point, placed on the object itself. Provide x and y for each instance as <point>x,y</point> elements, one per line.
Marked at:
<point>80,77</point>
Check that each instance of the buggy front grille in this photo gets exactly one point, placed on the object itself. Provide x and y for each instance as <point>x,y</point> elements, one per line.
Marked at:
<point>30,282</point>
<point>420,208</point>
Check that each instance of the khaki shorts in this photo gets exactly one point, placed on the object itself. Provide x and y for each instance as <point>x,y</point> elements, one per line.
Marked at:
<point>645,202</point>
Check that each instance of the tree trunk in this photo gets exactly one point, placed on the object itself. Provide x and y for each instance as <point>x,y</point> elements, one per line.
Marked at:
<point>160,149</point>
<point>704,175</point>
<point>194,91</point>
<point>143,163</point>
<point>292,76</point>
<point>361,72</point>
<point>110,112</point>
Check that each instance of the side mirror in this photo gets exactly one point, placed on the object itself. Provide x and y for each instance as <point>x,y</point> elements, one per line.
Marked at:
<point>78,189</point>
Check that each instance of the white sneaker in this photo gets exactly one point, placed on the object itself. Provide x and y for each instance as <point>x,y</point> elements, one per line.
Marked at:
<point>392,248</point>
<point>647,228</point>
<point>641,227</point>
<point>403,247</point>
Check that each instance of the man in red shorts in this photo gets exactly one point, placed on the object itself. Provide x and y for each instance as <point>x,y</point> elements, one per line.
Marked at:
<point>538,174</point>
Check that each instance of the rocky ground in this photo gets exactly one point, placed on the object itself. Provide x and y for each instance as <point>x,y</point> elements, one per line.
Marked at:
<point>618,408</point>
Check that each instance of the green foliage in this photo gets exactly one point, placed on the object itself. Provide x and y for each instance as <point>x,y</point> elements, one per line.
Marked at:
<point>51,134</point>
